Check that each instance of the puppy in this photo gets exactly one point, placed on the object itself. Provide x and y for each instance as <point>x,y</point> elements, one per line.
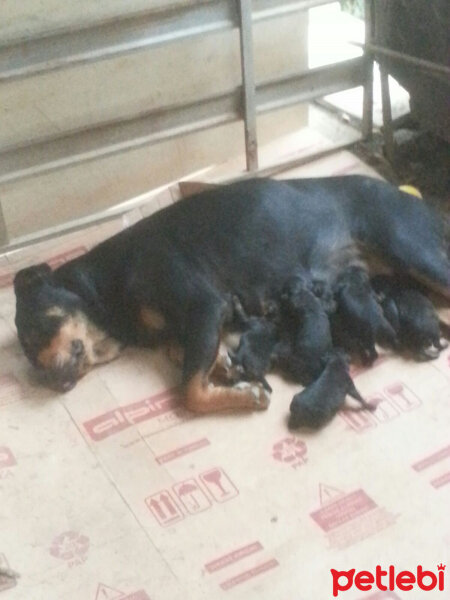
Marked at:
<point>317,404</point>
<point>253,357</point>
<point>305,330</point>
<point>411,315</point>
<point>359,315</point>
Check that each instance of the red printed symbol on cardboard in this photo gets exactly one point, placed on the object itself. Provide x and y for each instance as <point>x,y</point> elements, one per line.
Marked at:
<point>219,485</point>
<point>6,458</point>
<point>385,410</point>
<point>164,508</point>
<point>290,450</point>
<point>191,496</point>
<point>349,518</point>
<point>6,583</point>
<point>402,396</point>
<point>71,547</point>
<point>327,494</point>
<point>105,592</point>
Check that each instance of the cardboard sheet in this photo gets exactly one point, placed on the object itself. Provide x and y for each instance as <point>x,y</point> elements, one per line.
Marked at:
<point>113,491</point>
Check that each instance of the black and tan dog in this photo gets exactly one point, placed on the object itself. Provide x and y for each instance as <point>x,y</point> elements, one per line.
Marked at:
<point>173,275</point>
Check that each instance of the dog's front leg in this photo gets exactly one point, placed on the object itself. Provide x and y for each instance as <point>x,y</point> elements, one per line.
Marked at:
<point>201,347</point>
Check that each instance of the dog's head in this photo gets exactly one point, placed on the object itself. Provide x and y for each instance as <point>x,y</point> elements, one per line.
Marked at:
<point>54,329</point>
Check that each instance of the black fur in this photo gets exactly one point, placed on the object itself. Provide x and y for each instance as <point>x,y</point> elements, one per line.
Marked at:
<point>411,314</point>
<point>317,404</point>
<point>245,239</point>
<point>305,329</point>
<point>359,314</point>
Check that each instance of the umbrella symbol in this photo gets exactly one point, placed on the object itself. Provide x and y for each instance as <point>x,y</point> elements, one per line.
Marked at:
<point>189,488</point>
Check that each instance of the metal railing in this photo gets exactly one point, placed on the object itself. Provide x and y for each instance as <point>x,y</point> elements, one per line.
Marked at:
<point>101,41</point>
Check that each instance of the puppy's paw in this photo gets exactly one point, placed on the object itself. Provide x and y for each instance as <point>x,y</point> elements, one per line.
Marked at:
<point>261,397</point>
<point>225,369</point>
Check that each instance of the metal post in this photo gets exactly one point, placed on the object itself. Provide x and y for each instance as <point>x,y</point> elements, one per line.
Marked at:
<point>3,231</point>
<point>248,84</point>
<point>387,114</point>
<point>367,120</point>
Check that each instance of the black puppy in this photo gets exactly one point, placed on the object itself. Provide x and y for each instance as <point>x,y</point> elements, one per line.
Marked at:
<point>253,356</point>
<point>319,402</point>
<point>411,315</point>
<point>359,315</point>
<point>305,330</point>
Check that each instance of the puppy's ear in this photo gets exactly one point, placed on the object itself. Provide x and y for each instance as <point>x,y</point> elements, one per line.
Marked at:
<point>32,277</point>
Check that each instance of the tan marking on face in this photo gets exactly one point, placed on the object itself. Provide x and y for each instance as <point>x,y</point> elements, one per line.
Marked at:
<point>98,346</point>
<point>56,311</point>
<point>175,353</point>
<point>152,319</point>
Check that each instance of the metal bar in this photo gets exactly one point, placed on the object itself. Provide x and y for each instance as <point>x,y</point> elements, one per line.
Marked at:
<point>421,63</point>
<point>248,84</point>
<point>367,120</point>
<point>125,207</point>
<point>3,231</point>
<point>293,163</point>
<point>310,85</point>
<point>388,133</point>
<point>113,137</point>
<point>125,34</point>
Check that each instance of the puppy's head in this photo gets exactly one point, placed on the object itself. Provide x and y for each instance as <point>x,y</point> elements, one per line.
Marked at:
<point>53,328</point>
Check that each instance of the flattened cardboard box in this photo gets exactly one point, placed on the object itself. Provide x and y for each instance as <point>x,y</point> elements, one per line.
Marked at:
<point>114,492</point>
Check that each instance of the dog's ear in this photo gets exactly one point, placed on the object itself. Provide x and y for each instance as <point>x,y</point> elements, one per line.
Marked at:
<point>31,278</point>
<point>81,282</point>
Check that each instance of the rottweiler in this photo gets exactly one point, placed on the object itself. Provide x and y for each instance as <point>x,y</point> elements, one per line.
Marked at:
<point>318,403</point>
<point>253,357</point>
<point>411,314</point>
<point>305,334</point>
<point>359,315</point>
<point>172,276</point>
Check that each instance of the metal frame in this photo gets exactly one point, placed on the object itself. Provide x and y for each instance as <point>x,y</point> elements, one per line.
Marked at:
<point>64,49</point>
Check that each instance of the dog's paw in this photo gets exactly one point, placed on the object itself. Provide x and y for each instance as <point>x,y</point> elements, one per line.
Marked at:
<point>260,394</point>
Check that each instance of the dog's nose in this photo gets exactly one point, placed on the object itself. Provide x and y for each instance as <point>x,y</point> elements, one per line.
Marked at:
<point>77,348</point>
<point>67,385</point>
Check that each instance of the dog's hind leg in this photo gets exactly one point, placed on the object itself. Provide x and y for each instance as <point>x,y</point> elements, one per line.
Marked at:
<point>201,345</point>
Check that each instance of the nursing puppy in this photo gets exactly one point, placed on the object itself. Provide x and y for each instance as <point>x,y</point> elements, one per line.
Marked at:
<point>317,404</point>
<point>253,357</point>
<point>411,314</point>
<point>359,315</point>
<point>305,329</point>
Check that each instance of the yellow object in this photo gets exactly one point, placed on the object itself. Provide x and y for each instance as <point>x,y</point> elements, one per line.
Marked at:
<point>410,189</point>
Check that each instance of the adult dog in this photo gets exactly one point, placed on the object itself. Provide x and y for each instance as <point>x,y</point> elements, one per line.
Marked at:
<point>174,275</point>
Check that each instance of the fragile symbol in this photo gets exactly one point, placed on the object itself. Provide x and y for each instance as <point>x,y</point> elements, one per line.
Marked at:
<point>219,485</point>
<point>164,508</point>
<point>290,450</point>
<point>191,496</point>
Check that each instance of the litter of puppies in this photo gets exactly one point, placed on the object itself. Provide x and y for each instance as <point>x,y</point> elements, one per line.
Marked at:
<point>315,329</point>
